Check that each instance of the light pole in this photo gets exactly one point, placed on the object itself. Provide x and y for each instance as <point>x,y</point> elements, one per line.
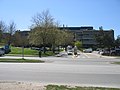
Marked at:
<point>22,51</point>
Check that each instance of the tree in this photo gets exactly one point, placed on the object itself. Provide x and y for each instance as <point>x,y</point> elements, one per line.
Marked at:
<point>45,31</point>
<point>54,38</point>
<point>11,31</point>
<point>78,44</point>
<point>17,39</point>
<point>100,28</point>
<point>43,19</point>
<point>117,41</point>
<point>35,36</point>
<point>99,38</point>
<point>20,39</point>
<point>68,38</point>
<point>42,23</point>
<point>104,40</point>
<point>108,41</point>
<point>2,29</point>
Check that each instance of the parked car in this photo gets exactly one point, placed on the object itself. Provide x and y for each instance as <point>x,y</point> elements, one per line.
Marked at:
<point>2,51</point>
<point>100,51</point>
<point>112,51</point>
<point>117,51</point>
<point>106,52</point>
<point>89,50</point>
<point>35,48</point>
<point>69,52</point>
<point>7,49</point>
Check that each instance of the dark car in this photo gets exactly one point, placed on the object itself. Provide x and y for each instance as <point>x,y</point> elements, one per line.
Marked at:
<point>117,51</point>
<point>106,52</point>
<point>2,51</point>
<point>7,49</point>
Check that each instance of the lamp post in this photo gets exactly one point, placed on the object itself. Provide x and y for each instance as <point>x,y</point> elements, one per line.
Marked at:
<point>22,51</point>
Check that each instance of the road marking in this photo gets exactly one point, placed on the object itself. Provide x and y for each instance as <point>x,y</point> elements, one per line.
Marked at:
<point>85,55</point>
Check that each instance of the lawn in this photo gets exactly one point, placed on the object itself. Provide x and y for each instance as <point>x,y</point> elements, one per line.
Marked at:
<point>20,60</point>
<point>63,87</point>
<point>116,63</point>
<point>28,52</point>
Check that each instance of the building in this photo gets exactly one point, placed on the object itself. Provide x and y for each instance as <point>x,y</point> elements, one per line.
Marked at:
<point>86,35</point>
<point>23,33</point>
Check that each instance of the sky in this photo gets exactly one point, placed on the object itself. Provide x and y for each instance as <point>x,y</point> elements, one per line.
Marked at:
<point>75,13</point>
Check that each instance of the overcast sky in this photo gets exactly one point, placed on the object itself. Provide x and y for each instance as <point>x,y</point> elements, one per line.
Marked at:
<point>94,13</point>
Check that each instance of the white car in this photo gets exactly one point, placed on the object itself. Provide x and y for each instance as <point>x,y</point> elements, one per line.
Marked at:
<point>89,50</point>
<point>69,52</point>
<point>2,51</point>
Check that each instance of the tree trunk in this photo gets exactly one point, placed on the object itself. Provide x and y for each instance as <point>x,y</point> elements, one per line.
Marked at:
<point>53,48</point>
<point>44,49</point>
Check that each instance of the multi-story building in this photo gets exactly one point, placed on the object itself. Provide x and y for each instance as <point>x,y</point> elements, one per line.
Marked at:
<point>23,33</point>
<point>86,35</point>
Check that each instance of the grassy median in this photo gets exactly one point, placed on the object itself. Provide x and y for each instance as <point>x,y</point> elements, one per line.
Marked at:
<point>20,60</point>
<point>17,51</point>
<point>116,63</point>
<point>27,51</point>
<point>63,87</point>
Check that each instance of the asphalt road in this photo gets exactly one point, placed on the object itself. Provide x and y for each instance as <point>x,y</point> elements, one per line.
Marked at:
<point>86,69</point>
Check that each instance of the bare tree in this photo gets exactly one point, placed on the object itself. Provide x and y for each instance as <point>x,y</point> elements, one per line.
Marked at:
<point>42,23</point>
<point>43,19</point>
<point>2,26</point>
<point>11,31</point>
<point>2,29</point>
<point>45,30</point>
<point>19,39</point>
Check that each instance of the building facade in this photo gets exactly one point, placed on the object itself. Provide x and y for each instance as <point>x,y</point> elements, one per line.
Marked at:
<point>87,35</point>
<point>84,34</point>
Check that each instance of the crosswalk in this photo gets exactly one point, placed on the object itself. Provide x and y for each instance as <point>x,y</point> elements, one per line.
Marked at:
<point>84,55</point>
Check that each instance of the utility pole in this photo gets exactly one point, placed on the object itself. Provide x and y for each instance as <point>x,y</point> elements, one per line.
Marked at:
<point>23,52</point>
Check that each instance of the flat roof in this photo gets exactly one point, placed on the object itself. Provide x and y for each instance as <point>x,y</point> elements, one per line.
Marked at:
<point>77,28</point>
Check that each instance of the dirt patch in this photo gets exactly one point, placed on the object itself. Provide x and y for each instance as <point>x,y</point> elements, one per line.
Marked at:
<point>5,85</point>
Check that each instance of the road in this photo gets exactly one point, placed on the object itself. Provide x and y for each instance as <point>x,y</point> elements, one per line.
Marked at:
<point>86,69</point>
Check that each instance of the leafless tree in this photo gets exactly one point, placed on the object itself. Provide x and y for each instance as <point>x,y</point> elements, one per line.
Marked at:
<point>42,23</point>
<point>19,39</point>
<point>45,30</point>
<point>11,30</point>
<point>2,29</point>
<point>43,19</point>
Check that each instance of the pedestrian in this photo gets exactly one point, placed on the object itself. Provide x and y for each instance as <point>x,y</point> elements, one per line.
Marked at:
<point>75,50</point>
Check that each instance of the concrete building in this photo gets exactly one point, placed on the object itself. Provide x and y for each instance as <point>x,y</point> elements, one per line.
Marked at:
<point>23,33</point>
<point>86,35</point>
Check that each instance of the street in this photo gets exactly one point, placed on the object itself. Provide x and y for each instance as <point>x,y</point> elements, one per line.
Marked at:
<point>87,69</point>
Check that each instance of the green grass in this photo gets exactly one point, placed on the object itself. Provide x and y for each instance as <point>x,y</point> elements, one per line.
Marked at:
<point>20,60</point>
<point>17,51</point>
<point>116,63</point>
<point>63,87</point>
<point>27,51</point>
